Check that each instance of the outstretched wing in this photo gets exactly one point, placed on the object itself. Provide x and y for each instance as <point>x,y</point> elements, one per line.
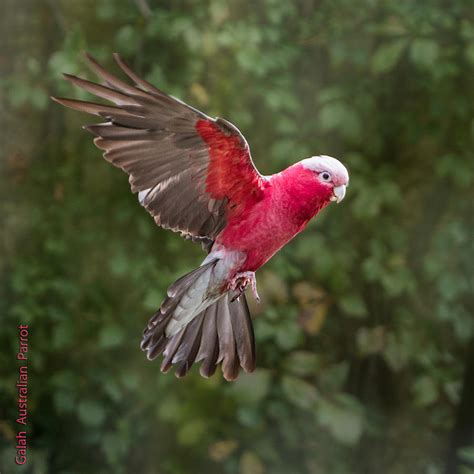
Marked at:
<point>192,172</point>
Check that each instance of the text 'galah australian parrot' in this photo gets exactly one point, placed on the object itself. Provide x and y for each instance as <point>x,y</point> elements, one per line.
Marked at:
<point>194,175</point>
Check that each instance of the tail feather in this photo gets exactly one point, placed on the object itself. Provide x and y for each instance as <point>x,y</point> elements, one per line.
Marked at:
<point>190,293</point>
<point>189,347</point>
<point>227,350</point>
<point>243,333</point>
<point>222,333</point>
<point>209,347</point>
<point>177,309</point>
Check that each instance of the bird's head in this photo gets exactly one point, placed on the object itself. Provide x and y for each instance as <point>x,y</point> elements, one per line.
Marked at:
<point>331,175</point>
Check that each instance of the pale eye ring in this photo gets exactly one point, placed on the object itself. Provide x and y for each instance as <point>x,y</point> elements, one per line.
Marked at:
<point>325,176</point>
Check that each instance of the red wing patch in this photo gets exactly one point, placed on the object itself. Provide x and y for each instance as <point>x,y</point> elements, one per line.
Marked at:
<point>231,173</point>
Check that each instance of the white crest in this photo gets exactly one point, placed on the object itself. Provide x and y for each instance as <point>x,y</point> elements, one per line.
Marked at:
<point>327,163</point>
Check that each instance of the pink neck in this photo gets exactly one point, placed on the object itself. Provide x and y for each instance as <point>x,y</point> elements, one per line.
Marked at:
<point>306,195</point>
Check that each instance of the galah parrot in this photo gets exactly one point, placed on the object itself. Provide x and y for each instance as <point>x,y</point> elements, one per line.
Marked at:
<point>194,174</point>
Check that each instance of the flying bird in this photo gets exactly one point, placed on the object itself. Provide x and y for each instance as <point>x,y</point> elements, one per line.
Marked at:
<point>194,174</point>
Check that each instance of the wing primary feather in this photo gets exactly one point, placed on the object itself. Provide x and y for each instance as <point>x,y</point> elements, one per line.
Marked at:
<point>117,133</point>
<point>154,90</point>
<point>101,91</point>
<point>110,79</point>
<point>134,77</point>
<point>89,107</point>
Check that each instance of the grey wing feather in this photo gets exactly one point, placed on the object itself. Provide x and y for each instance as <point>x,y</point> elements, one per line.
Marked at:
<point>152,137</point>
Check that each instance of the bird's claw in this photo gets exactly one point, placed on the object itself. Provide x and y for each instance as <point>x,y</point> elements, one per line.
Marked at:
<point>240,283</point>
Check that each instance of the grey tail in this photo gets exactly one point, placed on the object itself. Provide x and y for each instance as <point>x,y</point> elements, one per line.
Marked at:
<point>222,333</point>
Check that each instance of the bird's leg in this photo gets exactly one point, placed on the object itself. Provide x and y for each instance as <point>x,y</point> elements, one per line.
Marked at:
<point>253,285</point>
<point>241,281</point>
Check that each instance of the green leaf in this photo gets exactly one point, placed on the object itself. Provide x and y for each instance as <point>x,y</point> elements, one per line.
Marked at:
<point>353,305</point>
<point>169,409</point>
<point>330,94</point>
<point>192,432</point>
<point>111,335</point>
<point>18,94</point>
<point>64,401</point>
<point>467,454</point>
<point>127,39</point>
<point>299,392</point>
<point>119,265</point>
<point>332,378</point>
<point>288,335</point>
<point>387,56</point>
<point>115,445</point>
<point>63,334</point>
<point>470,53</point>
<point>343,418</point>
<point>39,98</point>
<point>396,354</point>
<point>339,116</point>
<point>302,363</point>
<point>252,387</point>
<point>153,299</point>
<point>425,391</point>
<point>424,52</point>
<point>91,413</point>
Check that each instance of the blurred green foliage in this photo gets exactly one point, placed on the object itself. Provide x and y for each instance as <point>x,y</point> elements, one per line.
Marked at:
<point>366,317</point>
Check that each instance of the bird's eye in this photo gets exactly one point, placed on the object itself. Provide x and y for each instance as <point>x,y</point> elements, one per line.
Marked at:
<point>325,176</point>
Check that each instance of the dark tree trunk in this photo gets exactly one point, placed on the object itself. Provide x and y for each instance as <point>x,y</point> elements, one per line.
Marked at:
<point>463,430</point>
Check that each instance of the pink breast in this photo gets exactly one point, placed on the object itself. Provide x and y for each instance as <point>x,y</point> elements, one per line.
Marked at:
<point>289,202</point>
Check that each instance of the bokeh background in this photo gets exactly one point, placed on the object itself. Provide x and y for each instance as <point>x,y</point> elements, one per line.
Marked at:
<point>365,332</point>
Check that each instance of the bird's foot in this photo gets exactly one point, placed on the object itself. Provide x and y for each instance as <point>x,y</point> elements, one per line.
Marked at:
<point>240,283</point>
